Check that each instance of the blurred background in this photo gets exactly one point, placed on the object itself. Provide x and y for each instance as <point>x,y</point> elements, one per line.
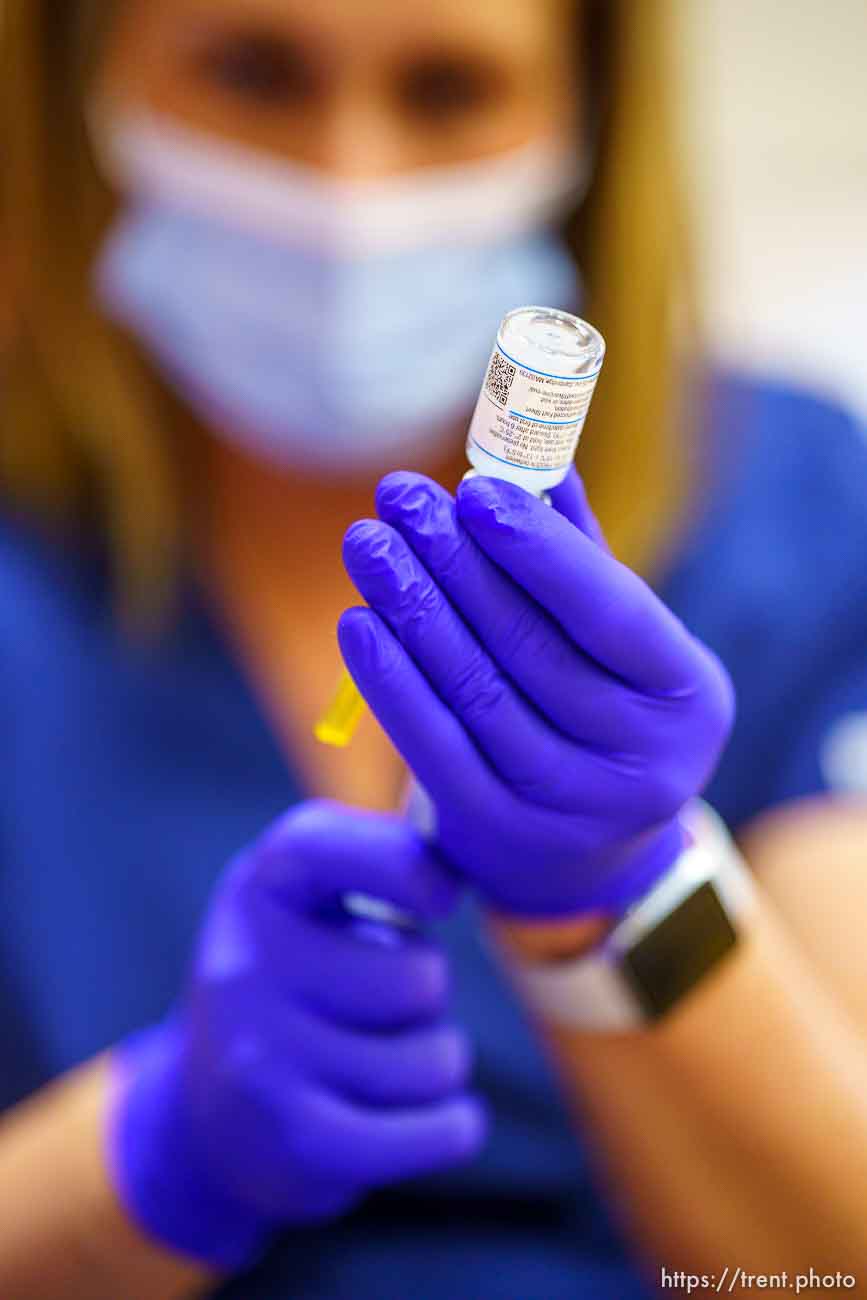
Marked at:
<point>776,127</point>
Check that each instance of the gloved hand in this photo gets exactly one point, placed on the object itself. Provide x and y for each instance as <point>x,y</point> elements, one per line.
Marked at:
<point>309,1059</point>
<point>555,711</point>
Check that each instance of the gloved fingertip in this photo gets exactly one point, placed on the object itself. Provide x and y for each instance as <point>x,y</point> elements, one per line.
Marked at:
<point>362,640</point>
<point>492,503</point>
<point>310,819</point>
<point>269,864</point>
<point>364,537</point>
<point>379,562</point>
<point>403,492</point>
<point>470,1128</point>
<point>357,632</point>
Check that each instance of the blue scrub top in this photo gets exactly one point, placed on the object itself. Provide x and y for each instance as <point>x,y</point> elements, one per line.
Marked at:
<point>131,774</point>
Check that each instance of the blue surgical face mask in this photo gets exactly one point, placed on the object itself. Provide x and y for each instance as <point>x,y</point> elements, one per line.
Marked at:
<point>327,325</point>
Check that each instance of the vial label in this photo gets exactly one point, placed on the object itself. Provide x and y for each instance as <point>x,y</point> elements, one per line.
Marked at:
<point>530,419</point>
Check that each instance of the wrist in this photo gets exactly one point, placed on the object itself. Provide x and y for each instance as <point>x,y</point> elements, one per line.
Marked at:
<point>548,940</point>
<point>560,938</point>
<point>157,1165</point>
<point>567,938</point>
<point>646,860</point>
<point>665,943</point>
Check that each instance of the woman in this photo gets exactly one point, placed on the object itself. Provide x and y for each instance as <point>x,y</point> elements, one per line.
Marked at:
<point>226,332</point>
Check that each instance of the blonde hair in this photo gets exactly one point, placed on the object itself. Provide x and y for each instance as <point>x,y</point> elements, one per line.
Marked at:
<point>86,423</point>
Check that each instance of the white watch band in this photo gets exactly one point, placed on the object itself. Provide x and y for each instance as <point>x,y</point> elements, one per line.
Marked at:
<point>595,991</point>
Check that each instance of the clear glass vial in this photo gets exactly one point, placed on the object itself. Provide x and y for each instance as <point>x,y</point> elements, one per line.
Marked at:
<point>535,397</point>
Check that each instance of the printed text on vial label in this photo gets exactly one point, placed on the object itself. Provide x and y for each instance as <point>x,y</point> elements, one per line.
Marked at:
<point>537,421</point>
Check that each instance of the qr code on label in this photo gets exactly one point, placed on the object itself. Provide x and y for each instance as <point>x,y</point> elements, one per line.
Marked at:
<point>499,380</point>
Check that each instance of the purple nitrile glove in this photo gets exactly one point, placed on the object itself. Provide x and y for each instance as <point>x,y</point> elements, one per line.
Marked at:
<point>557,714</point>
<point>309,1059</point>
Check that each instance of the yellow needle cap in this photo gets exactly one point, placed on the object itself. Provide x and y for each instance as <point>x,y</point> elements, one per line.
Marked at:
<point>339,722</point>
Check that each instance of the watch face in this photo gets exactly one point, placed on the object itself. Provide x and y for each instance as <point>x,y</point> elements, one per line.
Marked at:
<point>677,952</point>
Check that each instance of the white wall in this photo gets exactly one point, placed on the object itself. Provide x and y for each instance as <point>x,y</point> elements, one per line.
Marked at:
<point>776,96</point>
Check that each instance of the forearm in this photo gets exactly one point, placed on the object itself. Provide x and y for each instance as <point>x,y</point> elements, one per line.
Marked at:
<point>735,1131</point>
<point>62,1231</point>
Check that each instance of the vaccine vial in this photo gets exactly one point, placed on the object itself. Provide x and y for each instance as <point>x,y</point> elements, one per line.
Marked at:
<point>535,398</point>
